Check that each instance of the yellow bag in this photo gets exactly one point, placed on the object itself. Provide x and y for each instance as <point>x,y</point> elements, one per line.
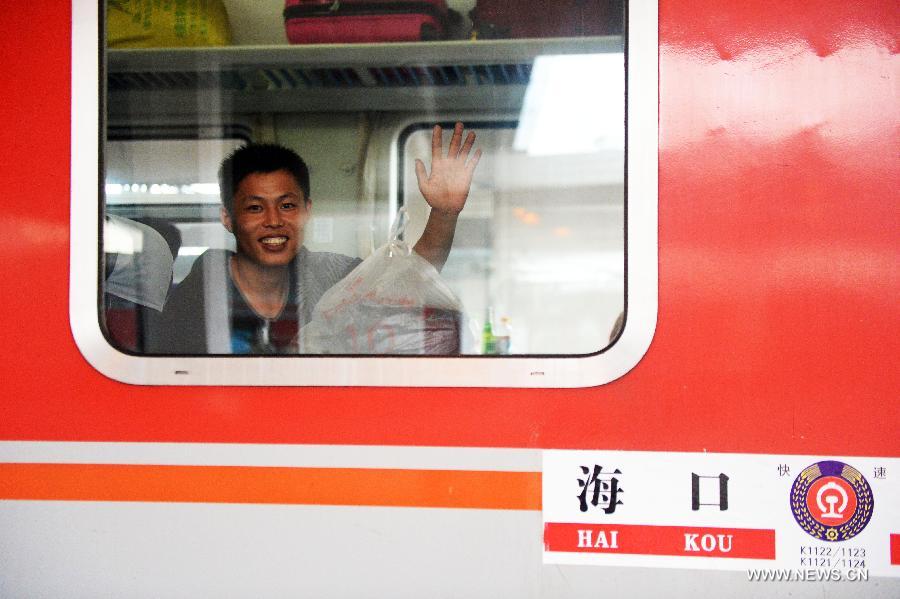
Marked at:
<point>166,23</point>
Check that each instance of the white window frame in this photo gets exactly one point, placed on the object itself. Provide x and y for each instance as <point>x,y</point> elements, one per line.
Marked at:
<point>389,371</point>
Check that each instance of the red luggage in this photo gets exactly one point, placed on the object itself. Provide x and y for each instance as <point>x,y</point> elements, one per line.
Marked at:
<point>364,21</point>
<point>546,18</point>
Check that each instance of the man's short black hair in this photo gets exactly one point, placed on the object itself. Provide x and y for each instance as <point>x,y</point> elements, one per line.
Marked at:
<point>259,158</point>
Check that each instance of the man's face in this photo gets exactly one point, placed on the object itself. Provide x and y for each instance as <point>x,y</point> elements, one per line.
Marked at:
<point>269,214</point>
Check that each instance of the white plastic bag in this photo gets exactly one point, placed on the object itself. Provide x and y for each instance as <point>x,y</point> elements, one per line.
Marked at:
<point>395,302</point>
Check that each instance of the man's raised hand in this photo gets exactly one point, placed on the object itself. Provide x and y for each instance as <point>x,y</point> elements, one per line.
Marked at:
<point>447,186</point>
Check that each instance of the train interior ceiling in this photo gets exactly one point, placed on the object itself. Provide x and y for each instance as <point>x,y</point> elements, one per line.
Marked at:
<point>540,244</point>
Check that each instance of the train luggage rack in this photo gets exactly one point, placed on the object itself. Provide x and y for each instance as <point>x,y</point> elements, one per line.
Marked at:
<point>291,78</point>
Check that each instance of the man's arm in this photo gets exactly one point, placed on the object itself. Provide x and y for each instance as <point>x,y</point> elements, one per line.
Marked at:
<point>445,189</point>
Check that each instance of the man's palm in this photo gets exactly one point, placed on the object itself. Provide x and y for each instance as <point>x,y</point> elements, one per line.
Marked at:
<point>447,186</point>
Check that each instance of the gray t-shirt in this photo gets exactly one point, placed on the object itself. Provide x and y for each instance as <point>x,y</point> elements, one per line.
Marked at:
<point>207,314</point>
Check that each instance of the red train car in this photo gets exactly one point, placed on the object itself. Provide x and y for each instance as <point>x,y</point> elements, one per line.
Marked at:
<point>734,434</point>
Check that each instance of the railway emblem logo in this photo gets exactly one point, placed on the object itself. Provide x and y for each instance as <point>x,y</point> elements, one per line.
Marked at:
<point>831,501</point>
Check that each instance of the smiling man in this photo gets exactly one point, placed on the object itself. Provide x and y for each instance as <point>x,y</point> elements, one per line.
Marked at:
<point>254,300</point>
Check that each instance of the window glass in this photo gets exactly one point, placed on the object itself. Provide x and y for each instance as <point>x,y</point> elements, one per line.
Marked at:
<point>321,235</point>
<point>538,250</point>
<point>171,185</point>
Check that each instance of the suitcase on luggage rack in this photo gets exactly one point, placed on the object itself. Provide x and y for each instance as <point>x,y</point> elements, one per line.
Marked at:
<point>498,19</point>
<point>365,21</point>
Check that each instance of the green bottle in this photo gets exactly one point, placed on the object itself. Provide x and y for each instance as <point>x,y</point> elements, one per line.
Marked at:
<point>488,343</point>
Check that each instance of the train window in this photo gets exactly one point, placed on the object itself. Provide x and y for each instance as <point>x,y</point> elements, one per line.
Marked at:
<point>478,201</point>
<point>169,183</point>
<point>538,256</point>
